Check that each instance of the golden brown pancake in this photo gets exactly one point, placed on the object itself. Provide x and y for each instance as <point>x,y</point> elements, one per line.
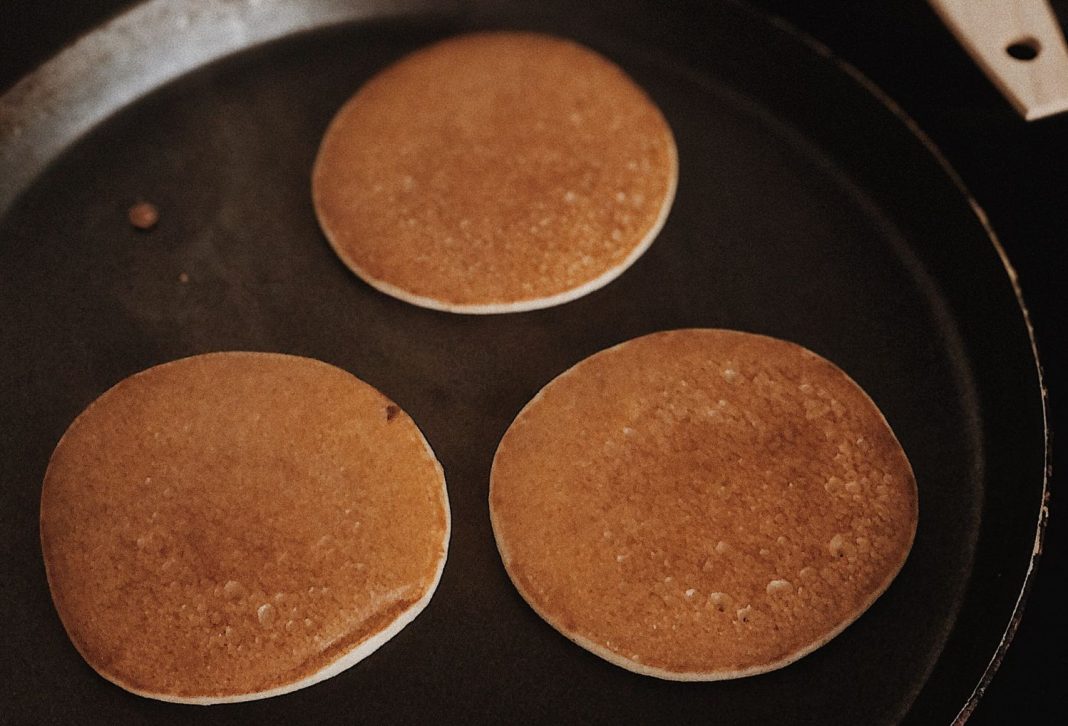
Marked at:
<point>495,172</point>
<point>234,526</point>
<point>702,504</point>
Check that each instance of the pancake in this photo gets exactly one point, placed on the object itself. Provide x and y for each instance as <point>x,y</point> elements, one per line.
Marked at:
<point>495,172</point>
<point>702,504</point>
<point>234,526</point>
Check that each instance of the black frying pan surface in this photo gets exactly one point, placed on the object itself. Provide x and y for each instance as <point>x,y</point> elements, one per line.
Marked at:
<point>806,210</point>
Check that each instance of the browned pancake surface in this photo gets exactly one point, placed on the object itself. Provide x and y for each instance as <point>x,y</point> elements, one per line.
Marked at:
<point>494,171</point>
<point>232,523</point>
<point>702,504</point>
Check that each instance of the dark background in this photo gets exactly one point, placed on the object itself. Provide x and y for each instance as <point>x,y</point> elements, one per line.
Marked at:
<point>1017,171</point>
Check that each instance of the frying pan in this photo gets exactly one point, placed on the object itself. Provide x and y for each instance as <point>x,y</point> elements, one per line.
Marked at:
<point>808,208</point>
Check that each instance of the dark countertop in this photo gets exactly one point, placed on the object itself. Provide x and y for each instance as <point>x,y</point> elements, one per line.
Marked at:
<point>1017,171</point>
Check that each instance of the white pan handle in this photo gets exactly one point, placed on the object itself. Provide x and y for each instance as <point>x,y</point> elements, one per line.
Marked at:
<point>1020,47</point>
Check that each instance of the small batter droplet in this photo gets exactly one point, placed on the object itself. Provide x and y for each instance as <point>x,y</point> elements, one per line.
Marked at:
<point>233,590</point>
<point>143,216</point>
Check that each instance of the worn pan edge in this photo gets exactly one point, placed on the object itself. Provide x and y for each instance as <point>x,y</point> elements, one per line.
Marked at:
<point>63,98</point>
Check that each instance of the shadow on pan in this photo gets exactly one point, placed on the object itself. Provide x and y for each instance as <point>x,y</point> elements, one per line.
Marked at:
<point>806,210</point>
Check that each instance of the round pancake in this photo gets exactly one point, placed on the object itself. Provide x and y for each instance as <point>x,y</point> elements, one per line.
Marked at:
<point>234,526</point>
<point>493,173</point>
<point>702,504</point>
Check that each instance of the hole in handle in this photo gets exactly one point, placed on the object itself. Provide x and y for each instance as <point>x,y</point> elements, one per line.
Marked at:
<point>1024,49</point>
